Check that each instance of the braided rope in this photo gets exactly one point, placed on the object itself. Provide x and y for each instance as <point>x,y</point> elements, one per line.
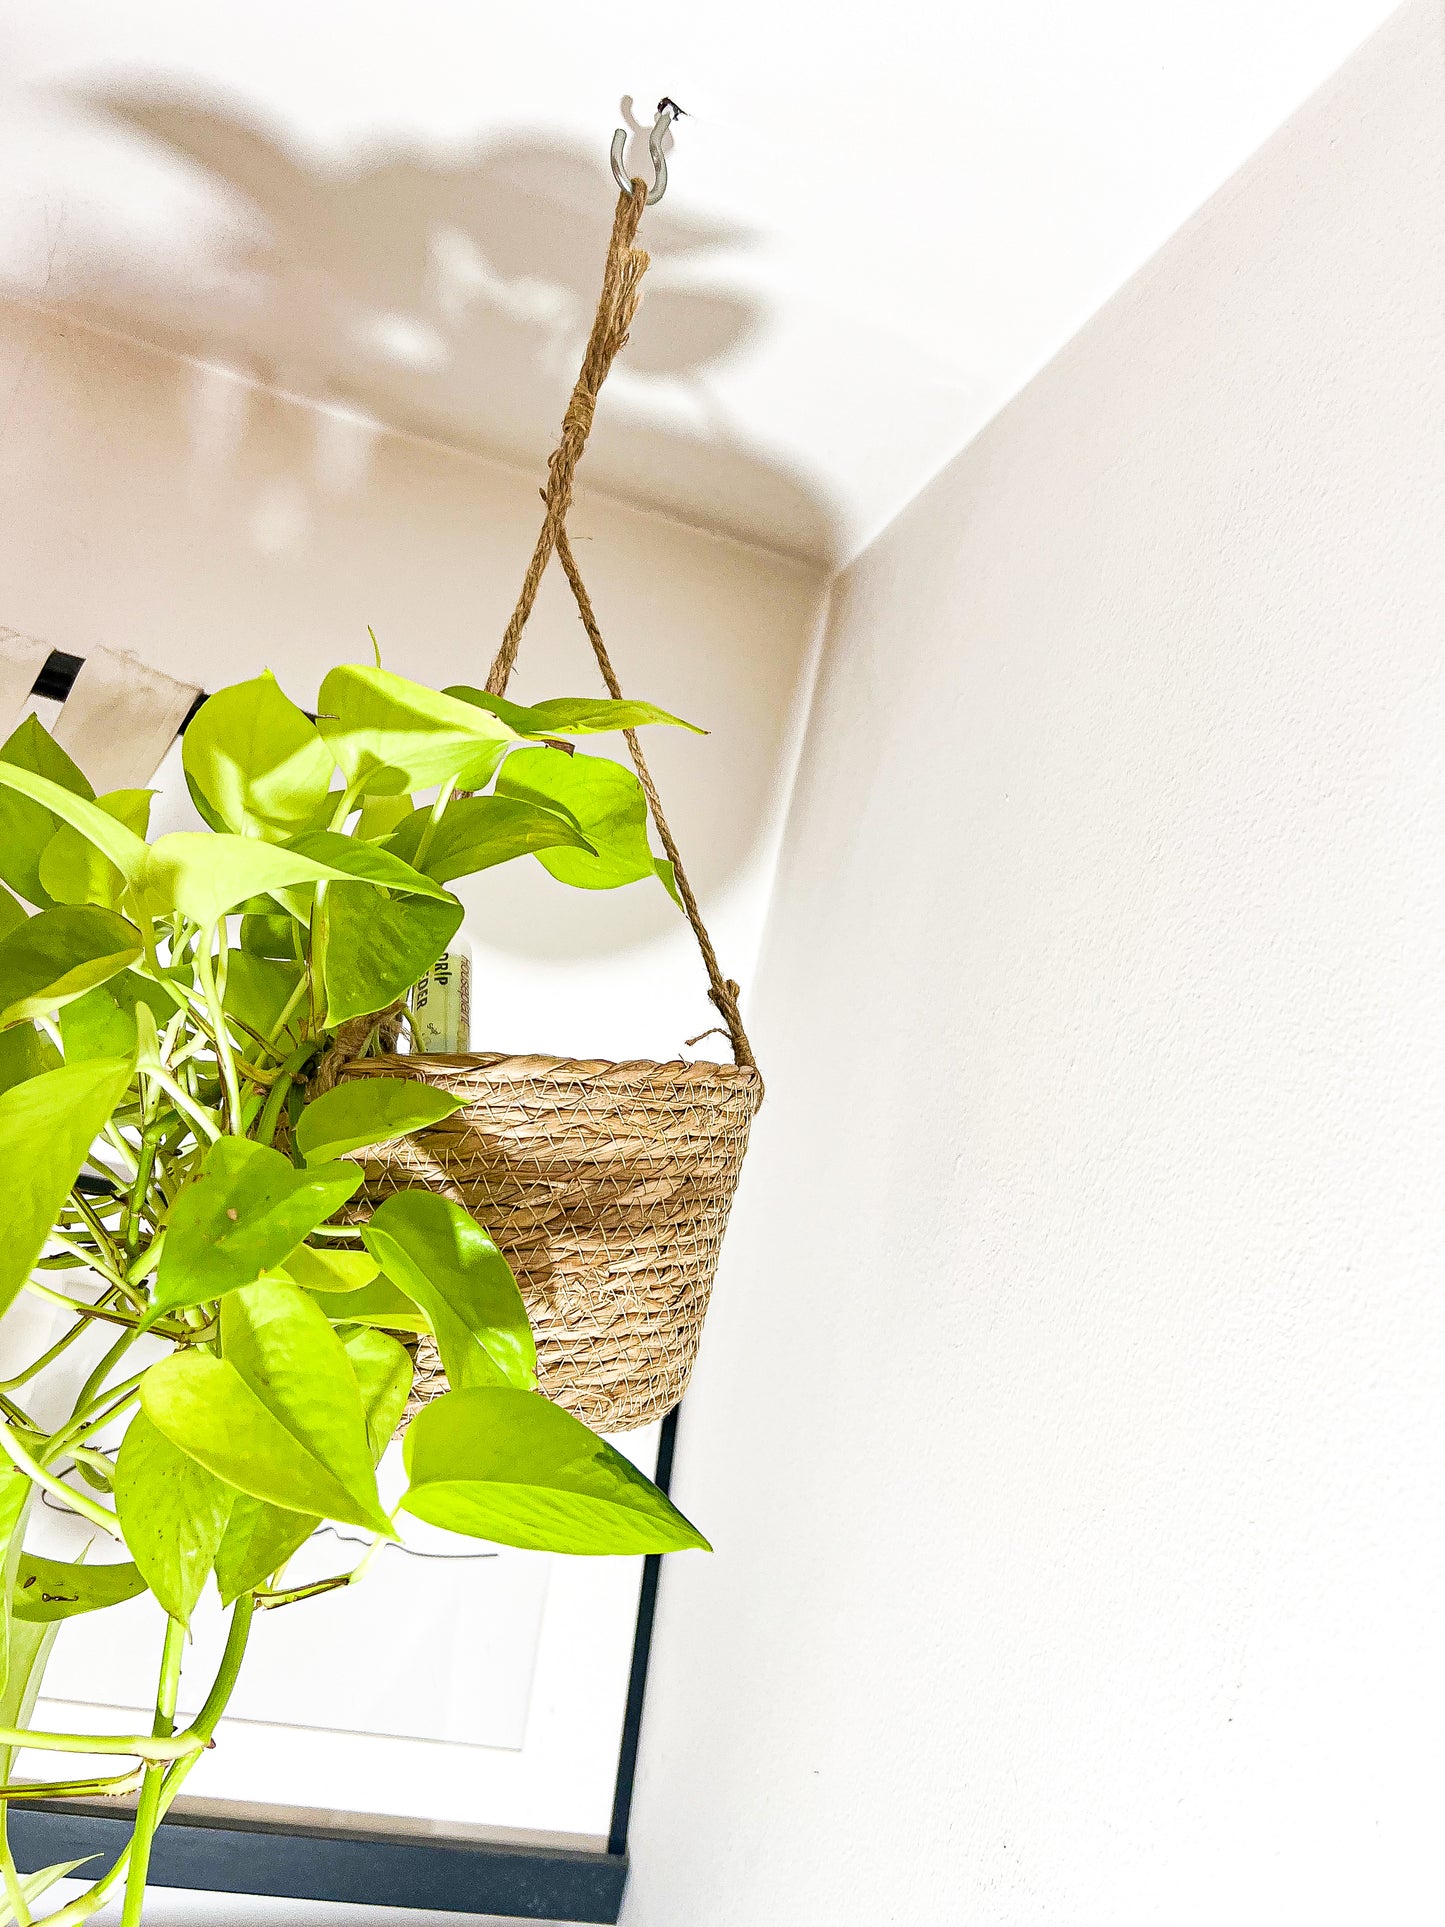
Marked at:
<point>616,307</point>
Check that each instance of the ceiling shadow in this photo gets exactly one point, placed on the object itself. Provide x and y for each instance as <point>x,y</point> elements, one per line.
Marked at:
<point>451,296</point>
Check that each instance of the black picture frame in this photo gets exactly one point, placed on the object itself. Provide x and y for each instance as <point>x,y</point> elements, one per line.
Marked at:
<point>349,1864</point>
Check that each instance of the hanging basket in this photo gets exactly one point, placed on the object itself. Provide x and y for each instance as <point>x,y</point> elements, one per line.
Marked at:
<point>607,1187</point>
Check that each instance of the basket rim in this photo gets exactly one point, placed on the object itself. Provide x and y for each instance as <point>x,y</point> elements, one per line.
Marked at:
<point>518,1067</point>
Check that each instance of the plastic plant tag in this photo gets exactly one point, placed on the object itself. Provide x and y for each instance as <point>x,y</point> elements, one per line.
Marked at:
<point>441,1004</point>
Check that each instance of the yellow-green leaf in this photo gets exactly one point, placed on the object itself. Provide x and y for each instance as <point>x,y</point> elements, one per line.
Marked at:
<point>74,871</point>
<point>444,1261</point>
<point>607,802</point>
<point>59,955</point>
<point>47,1126</point>
<point>511,1467</point>
<point>392,735</point>
<point>249,1207</point>
<point>570,715</point>
<point>254,763</point>
<point>291,1431</point>
<point>172,1511</point>
<point>367,1111</point>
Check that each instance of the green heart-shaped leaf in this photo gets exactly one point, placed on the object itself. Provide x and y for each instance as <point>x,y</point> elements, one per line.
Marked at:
<point>204,875</point>
<point>443,1260</point>
<point>511,1467</point>
<point>477,832</point>
<point>569,715</point>
<point>47,1589</point>
<point>289,1356</point>
<point>280,1415</point>
<point>379,1304</point>
<point>72,870</point>
<point>366,1111</point>
<point>258,990</point>
<point>58,955</point>
<point>261,1537</point>
<point>366,861</point>
<point>255,764</point>
<point>246,1211</point>
<point>326,1268</point>
<point>391,735</point>
<point>374,948</point>
<point>380,815</point>
<point>606,801</point>
<point>173,1513</point>
<point>383,1371</point>
<point>27,826</point>
<point>25,1053</point>
<point>47,1126</point>
<point>127,851</point>
<point>102,1023</point>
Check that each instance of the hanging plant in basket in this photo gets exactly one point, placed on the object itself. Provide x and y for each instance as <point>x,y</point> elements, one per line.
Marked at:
<point>250,1214</point>
<point>608,1186</point>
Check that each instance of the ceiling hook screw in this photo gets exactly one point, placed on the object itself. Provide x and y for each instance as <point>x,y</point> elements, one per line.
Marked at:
<point>667,113</point>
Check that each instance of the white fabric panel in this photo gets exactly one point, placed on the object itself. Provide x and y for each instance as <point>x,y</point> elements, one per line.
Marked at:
<point>21,661</point>
<point>121,718</point>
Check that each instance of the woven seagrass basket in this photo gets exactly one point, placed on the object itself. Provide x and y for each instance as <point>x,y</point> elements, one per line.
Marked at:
<point>607,1187</point>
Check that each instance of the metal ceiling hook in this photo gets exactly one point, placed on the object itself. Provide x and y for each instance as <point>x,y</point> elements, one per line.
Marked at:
<point>667,113</point>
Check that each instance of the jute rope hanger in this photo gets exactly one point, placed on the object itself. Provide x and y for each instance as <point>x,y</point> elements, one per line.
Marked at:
<point>616,307</point>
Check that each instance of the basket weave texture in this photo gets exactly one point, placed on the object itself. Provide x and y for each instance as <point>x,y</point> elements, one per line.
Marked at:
<point>607,1187</point>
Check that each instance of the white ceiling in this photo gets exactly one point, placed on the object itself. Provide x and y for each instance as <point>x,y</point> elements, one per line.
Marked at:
<point>881,220</point>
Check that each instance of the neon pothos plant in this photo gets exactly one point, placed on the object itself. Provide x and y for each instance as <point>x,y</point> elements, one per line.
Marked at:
<point>234,1361</point>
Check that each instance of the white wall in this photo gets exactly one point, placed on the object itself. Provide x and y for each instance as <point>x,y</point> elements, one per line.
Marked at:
<point>1070,1416</point>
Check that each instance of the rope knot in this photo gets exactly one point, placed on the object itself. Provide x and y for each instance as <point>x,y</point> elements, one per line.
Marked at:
<point>577,422</point>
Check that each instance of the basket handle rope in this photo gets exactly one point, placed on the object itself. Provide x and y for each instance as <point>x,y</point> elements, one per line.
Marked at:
<point>616,306</point>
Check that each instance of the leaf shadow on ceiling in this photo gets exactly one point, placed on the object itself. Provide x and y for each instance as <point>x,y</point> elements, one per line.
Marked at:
<point>450,295</point>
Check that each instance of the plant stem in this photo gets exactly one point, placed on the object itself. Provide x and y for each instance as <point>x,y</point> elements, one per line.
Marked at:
<point>118,1143</point>
<point>13,1891</point>
<point>80,1429</point>
<point>183,1100</point>
<point>45,1358</point>
<point>76,1501</point>
<point>94,1386</point>
<point>157,1749</point>
<point>292,1595</point>
<point>225,1056</point>
<point>147,1812</point>
<point>114,1268</point>
<point>104,1313</point>
<point>79,1910</point>
<point>438,811</point>
<point>204,1725</point>
<point>110,1788</point>
<point>349,799</point>
<point>145,1163</point>
<point>288,1009</point>
<point>276,1097</point>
